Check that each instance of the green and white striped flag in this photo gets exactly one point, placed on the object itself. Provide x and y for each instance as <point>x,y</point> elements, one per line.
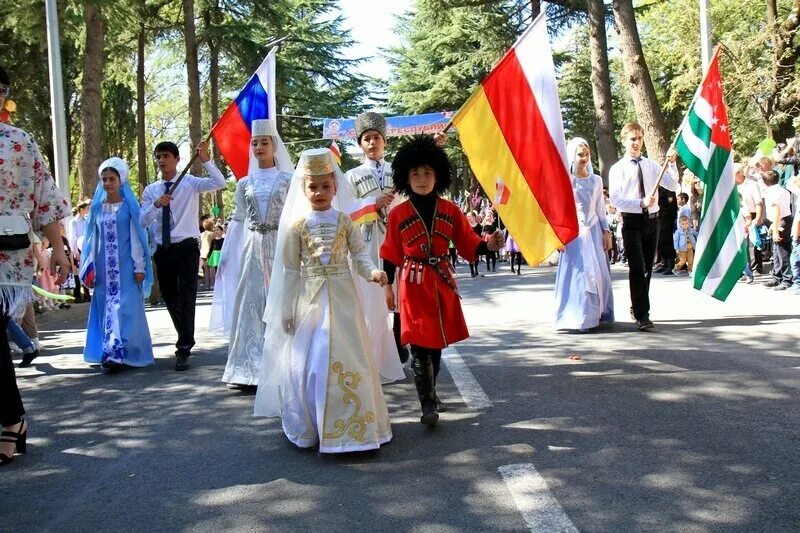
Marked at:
<point>704,145</point>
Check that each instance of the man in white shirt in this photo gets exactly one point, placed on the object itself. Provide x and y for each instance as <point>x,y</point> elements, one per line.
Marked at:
<point>778,202</point>
<point>632,187</point>
<point>174,215</point>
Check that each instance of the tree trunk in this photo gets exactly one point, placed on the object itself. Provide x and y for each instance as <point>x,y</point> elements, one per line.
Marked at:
<point>601,88</point>
<point>141,139</point>
<point>213,52</point>
<point>193,76</point>
<point>536,8</point>
<point>641,85</point>
<point>782,103</point>
<point>91,101</point>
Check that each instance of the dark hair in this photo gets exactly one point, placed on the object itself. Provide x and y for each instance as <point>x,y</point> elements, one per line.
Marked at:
<point>112,169</point>
<point>419,151</point>
<point>770,178</point>
<point>83,204</point>
<point>166,146</point>
<point>4,79</point>
<point>684,196</point>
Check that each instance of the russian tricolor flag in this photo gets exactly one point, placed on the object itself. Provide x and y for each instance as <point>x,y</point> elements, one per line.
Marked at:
<point>255,101</point>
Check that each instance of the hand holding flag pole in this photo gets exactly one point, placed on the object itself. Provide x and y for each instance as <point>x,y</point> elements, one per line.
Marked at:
<point>680,128</point>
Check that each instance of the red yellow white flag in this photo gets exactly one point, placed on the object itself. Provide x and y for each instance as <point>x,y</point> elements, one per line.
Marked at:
<point>512,133</point>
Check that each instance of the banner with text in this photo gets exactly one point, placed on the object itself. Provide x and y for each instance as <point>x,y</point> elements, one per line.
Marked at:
<point>345,128</point>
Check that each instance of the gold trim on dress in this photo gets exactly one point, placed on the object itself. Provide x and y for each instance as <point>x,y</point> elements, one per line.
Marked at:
<point>356,425</point>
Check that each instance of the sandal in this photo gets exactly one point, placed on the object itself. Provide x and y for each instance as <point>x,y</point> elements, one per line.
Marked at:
<point>19,438</point>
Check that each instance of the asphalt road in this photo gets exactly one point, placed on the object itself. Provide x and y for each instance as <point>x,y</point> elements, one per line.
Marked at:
<point>692,427</point>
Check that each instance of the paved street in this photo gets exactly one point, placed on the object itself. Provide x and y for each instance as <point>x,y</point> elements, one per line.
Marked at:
<point>693,427</point>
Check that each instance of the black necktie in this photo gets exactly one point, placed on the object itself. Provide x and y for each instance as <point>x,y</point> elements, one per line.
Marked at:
<point>166,216</point>
<point>640,175</point>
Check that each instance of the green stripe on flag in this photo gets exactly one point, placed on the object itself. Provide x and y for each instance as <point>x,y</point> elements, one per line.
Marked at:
<point>716,241</point>
<point>732,276</point>
<point>700,128</point>
<point>689,159</point>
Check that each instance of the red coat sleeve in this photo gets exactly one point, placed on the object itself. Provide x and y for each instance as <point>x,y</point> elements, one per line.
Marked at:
<point>392,248</point>
<point>465,238</point>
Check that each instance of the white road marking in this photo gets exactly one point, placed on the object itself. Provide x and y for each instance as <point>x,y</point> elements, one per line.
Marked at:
<point>540,510</point>
<point>467,385</point>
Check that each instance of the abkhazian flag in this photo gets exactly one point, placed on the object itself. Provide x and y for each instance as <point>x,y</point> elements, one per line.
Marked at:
<point>704,145</point>
<point>255,101</point>
<point>512,133</point>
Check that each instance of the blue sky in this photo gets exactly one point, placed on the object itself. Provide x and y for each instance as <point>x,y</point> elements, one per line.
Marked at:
<point>372,25</point>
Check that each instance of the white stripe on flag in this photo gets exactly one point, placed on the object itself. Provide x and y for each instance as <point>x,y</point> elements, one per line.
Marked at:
<point>704,110</point>
<point>727,254</point>
<point>715,207</point>
<point>266,76</point>
<point>534,56</point>
<point>696,145</point>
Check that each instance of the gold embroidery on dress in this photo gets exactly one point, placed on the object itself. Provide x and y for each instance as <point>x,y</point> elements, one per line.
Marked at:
<point>356,425</point>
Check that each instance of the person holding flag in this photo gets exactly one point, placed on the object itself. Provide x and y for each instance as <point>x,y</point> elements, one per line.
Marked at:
<point>172,206</point>
<point>259,202</point>
<point>633,190</point>
<point>372,185</point>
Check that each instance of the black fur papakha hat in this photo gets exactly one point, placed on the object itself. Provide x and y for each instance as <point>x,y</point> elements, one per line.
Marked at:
<point>421,150</point>
<point>370,121</point>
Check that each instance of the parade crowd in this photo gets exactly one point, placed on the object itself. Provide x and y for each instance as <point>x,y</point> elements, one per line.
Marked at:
<point>324,282</point>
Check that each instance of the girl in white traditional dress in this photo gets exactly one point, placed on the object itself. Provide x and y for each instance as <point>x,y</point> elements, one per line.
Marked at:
<point>243,281</point>
<point>319,373</point>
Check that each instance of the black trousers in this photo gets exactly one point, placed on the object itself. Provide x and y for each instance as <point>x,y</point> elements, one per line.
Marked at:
<point>640,238</point>
<point>176,268</point>
<point>666,228</point>
<point>11,409</point>
<point>781,251</point>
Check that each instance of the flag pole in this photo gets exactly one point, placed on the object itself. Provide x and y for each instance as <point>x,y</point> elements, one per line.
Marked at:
<point>683,122</point>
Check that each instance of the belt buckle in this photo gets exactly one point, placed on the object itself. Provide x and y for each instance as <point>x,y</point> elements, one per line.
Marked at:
<point>433,261</point>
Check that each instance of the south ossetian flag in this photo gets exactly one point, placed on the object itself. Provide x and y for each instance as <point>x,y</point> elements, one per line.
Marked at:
<point>704,145</point>
<point>513,135</point>
<point>255,101</point>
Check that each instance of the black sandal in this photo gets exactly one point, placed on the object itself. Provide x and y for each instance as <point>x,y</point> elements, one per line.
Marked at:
<point>20,439</point>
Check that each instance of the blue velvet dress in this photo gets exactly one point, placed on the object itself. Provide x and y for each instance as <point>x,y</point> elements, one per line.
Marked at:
<point>583,280</point>
<point>117,328</point>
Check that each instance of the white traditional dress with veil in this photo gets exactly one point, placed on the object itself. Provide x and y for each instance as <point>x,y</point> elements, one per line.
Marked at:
<point>583,292</point>
<point>245,271</point>
<point>322,378</point>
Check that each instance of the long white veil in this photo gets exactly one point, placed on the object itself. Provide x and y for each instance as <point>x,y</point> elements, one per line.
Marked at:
<point>230,267</point>
<point>277,343</point>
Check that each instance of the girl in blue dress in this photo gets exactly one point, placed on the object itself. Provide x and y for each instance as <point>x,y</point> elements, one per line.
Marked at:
<point>583,281</point>
<point>116,263</point>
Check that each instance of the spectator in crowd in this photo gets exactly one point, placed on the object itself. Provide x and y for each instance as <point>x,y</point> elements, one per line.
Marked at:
<point>753,203</point>
<point>793,185</point>
<point>685,241</point>
<point>684,209</point>
<point>778,206</point>
<point>696,203</point>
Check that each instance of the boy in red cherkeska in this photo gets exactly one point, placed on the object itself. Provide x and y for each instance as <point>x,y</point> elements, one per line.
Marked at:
<point>417,240</point>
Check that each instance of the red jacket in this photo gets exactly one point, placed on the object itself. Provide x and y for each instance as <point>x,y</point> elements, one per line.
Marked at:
<point>430,308</point>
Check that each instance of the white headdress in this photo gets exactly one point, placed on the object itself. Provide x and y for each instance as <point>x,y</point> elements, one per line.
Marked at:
<point>277,344</point>
<point>117,164</point>
<point>267,127</point>
<point>572,153</point>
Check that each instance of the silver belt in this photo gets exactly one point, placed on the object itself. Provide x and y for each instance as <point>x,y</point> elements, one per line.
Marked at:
<point>325,271</point>
<point>263,228</point>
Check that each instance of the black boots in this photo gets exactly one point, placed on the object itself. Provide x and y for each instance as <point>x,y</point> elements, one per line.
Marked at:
<point>424,368</point>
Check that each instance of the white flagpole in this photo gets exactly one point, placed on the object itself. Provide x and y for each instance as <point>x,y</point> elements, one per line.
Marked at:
<point>61,169</point>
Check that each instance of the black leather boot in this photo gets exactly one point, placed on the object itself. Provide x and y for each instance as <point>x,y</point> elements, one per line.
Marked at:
<point>424,380</point>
